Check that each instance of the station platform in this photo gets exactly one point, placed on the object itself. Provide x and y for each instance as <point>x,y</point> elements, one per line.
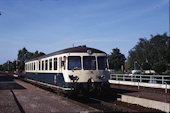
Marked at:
<point>148,97</point>
<point>20,97</point>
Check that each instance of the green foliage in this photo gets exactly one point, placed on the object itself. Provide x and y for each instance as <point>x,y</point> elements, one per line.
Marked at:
<point>1,69</point>
<point>167,72</point>
<point>159,67</point>
<point>8,66</point>
<point>150,51</point>
<point>118,72</point>
<point>116,59</point>
<point>24,55</point>
<point>146,66</point>
<point>127,65</point>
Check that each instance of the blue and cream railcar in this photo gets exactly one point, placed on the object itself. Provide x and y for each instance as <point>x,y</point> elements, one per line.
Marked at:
<point>77,68</point>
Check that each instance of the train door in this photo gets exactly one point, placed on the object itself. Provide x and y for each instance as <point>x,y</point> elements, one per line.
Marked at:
<point>62,64</point>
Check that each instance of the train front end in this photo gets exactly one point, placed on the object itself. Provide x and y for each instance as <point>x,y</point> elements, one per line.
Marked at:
<point>88,72</point>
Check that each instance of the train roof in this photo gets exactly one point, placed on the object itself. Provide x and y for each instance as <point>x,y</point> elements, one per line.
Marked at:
<point>78,49</point>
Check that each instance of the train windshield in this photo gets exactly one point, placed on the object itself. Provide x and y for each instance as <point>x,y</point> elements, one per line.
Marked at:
<point>74,63</point>
<point>89,63</point>
<point>102,62</point>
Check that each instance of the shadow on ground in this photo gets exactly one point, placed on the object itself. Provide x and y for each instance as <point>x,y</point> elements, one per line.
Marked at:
<point>7,83</point>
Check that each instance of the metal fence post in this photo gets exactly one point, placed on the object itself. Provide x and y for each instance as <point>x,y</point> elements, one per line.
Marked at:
<point>116,77</point>
<point>140,78</point>
<point>151,78</point>
<point>138,89</point>
<point>166,91</point>
<point>123,77</point>
<point>162,80</point>
<point>131,77</point>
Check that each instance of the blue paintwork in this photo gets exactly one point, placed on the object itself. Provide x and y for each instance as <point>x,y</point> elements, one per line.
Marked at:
<point>49,78</point>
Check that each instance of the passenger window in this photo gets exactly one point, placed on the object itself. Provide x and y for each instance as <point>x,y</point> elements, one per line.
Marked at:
<point>46,64</point>
<point>55,63</point>
<point>31,66</point>
<point>50,63</point>
<point>42,65</point>
<point>39,65</point>
<point>34,65</point>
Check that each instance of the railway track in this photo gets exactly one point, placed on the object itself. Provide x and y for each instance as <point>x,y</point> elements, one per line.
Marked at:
<point>106,103</point>
<point>103,105</point>
<point>114,106</point>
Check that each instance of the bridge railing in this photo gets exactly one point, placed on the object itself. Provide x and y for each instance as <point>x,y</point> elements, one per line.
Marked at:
<point>156,79</point>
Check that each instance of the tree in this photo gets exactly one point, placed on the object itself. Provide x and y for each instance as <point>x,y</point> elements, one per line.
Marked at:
<point>146,66</point>
<point>159,67</point>
<point>152,51</point>
<point>24,55</point>
<point>1,69</point>
<point>116,59</point>
<point>37,54</point>
<point>7,66</point>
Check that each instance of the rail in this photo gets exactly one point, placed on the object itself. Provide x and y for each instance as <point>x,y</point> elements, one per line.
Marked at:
<point>157,81</point>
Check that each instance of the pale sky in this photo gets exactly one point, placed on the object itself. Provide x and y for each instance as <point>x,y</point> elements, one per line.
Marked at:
<point>51,25</point>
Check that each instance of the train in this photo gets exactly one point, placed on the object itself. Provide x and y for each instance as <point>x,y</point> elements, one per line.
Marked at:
<point>79,69</point>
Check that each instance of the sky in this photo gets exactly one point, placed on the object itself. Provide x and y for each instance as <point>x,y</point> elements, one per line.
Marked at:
<point>52,25</point>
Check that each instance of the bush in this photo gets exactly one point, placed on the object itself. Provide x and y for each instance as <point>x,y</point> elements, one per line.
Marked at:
<point>167,72</point>
<point>118,72</point>
<point>146,66</point>
<point>159,67</point>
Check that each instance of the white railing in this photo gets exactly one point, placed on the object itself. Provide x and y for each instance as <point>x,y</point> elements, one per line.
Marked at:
<point>157,79</point>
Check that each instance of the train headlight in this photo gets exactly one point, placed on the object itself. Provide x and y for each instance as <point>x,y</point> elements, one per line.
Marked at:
<point>89,51</point>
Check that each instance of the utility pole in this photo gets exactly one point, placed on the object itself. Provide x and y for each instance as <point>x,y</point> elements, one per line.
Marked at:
<point>135,66</point>
<point>17,66</point>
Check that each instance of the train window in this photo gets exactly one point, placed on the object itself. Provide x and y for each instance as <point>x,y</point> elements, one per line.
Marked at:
<point>50,64</point>
<point>55,63</point>
<point>102,62</point>
<point>29,66</point>
<point>39,65</point>
<point>89,63</point>
<point>46,64</point>
<point>42,65</point>
<point>74,63</point>
<point>34,65</point>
